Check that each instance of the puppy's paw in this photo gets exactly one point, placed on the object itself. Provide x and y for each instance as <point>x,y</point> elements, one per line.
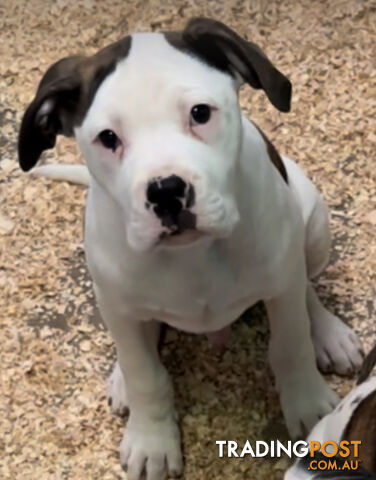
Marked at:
<point>150,450</point>
<point>338,349</point>
<point>117,393</point>
<point>304,401</point>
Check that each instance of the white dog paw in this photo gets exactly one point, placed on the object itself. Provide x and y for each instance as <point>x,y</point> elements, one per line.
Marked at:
<point>150,450</point>
<point>338,349</point>
<point>305,401</point>
<point>117,393</point>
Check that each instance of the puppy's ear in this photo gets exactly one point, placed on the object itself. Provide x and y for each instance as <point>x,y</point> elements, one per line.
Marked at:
<point>52,111</point>
<point>63,98</point>
<point>225,49</point>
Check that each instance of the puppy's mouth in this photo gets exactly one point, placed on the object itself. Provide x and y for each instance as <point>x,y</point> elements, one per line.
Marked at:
<point>180,230</point>
<point>210,218</point>
<point>187,237</point>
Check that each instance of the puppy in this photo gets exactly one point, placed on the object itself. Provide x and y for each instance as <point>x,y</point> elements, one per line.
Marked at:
<point>192,217</point>
<point>354,419</point>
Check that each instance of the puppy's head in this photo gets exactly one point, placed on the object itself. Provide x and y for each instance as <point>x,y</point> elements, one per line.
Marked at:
<point>157,119</point>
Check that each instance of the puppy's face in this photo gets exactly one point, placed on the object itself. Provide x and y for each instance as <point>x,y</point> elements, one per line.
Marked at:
<point>162,138</point>
<point>157,119</point>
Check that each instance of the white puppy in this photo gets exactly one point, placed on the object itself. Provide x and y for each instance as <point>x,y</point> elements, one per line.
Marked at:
<point>192,217</point>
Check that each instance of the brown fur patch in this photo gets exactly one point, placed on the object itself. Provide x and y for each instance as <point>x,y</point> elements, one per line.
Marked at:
<point>221,47</point>
<point>362,426</point>
<point>368,365</point>
<point>274,156</point>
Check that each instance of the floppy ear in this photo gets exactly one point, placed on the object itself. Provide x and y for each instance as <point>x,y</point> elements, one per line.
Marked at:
<point>62,99</point>
<point>226,50</point>
<point>52,111</point>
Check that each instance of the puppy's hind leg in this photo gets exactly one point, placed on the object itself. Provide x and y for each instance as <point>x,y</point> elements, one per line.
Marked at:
<point>337,347</point>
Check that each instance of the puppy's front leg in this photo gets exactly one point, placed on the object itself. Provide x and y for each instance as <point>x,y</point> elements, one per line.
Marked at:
<point>151,442</point>
<point>304,395</point>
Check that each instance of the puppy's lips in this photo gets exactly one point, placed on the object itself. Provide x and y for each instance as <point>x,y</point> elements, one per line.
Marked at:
<point>181,231</point>
<point>184,220</point>
<point>177,238</point>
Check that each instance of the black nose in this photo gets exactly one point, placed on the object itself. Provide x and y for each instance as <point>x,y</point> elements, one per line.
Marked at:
<point>169,196</point>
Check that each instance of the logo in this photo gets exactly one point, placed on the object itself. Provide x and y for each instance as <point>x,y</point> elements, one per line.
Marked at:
<point>318,456</point>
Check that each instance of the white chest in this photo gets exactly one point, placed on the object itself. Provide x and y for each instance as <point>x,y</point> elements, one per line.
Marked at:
<point>198,292</point>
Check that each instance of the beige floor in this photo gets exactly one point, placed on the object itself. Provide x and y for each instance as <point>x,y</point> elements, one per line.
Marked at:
<point>55,356</point>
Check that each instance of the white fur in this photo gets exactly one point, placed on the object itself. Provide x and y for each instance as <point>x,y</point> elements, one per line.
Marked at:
<point>260,238</point>
<point>117,393</point>
<point>69,173</point>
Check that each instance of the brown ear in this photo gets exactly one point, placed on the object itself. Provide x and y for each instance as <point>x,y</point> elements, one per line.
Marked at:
<point>225,49</point>
<point>62,99</point>
<point>51,112</point>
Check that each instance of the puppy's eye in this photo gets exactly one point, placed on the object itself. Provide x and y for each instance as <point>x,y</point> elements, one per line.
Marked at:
<point>109,139</point>
<point>200,114</point>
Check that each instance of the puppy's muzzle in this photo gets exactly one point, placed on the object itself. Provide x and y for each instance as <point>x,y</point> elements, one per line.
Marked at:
<point>171,199</point>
